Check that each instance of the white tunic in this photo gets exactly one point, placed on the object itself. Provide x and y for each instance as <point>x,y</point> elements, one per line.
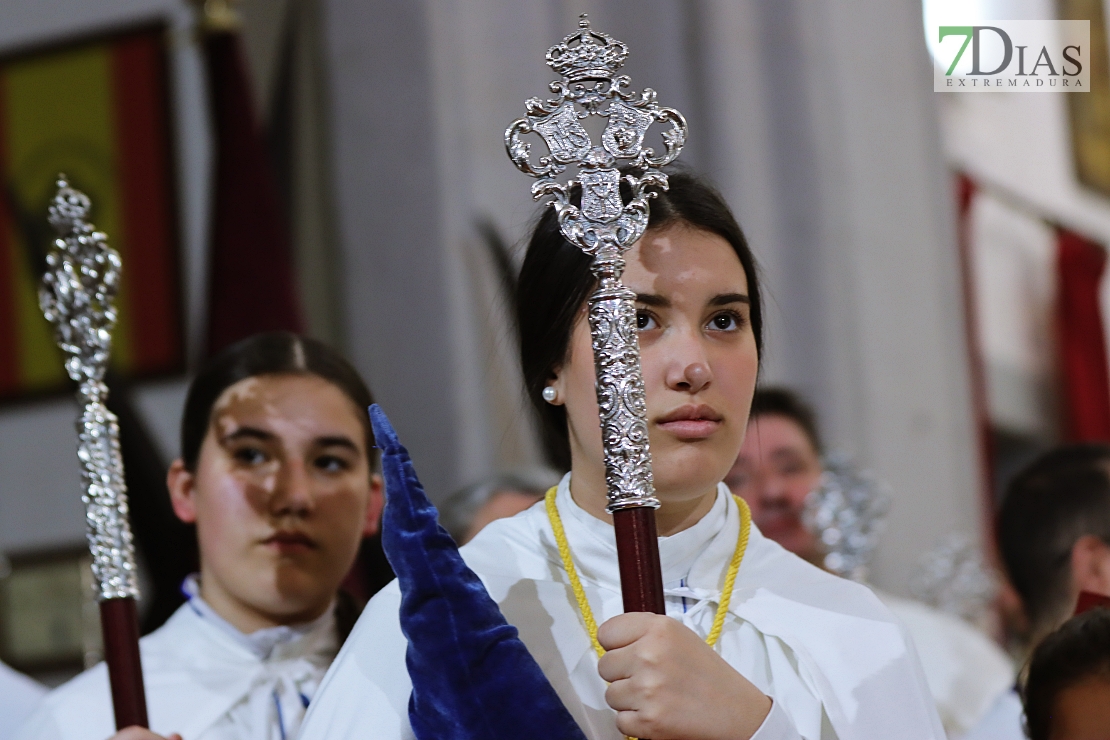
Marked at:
<point>204,680</point>
<point>19,695</point>
<point>831,656</point>
<point>965,670</point>
<point>1004,721</point>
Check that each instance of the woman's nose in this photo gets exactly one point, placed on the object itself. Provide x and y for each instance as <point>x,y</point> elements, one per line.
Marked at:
<point>691,378</point>
<point>293,493</point>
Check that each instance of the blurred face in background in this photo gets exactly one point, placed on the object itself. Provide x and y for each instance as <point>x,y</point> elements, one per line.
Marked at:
<point>777,468</point>
<point>282,495</point>
<point>501,505</point>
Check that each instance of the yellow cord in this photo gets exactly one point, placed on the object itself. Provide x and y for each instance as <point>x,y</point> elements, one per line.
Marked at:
<point>580,593</point>
<point>572,572</point>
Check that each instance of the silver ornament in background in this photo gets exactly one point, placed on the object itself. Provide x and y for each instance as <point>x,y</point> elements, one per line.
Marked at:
<point>847,512</point>
<point>954,578</point>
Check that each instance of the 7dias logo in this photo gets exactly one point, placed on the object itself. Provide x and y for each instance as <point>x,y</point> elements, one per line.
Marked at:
<point>1012,56</point>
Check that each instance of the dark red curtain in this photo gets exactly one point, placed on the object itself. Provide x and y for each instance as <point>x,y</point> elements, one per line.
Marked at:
<point>252,286</point>
<point>1082,342</point>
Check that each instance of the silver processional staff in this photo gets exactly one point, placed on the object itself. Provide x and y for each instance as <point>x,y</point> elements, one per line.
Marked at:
<point>77,294</point>
<point>605,227</point>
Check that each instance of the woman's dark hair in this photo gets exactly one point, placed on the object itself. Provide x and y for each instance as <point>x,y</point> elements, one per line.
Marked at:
<point>555,281</point>
<point>774,401</point>
<point>1077,651</point>
<point>1061,496</point>
<point>272,353</point>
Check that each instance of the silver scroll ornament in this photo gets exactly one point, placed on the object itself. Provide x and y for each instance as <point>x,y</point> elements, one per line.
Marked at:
<point>847,512</point>
<point>81,281</point>
<point>602,225</point>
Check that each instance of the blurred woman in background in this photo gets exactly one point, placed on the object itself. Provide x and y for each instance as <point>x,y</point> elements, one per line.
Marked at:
<point>277,473</point>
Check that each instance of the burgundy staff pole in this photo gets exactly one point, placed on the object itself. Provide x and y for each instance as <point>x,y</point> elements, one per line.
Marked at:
<point>77,294</point>
<point>604,226</point>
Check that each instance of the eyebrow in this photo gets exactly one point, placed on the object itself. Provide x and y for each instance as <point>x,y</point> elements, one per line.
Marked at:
<point>723,299</point>
<point>264,436</point>
<point>339,441</point>
<point>652,299</point>
<point>726,298</point>
<point>251,433</point>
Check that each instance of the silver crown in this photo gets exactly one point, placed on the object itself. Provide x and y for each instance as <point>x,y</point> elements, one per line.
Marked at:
<point>587,54</point>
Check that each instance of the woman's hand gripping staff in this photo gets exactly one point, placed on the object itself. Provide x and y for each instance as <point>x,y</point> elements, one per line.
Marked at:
<point>667,684</point>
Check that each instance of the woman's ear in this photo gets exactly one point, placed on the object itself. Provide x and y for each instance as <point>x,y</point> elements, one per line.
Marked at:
<point>182,485</point>
<point>374,506</point>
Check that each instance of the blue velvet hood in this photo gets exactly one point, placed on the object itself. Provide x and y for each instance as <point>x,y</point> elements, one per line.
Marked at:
<point>472,677</point>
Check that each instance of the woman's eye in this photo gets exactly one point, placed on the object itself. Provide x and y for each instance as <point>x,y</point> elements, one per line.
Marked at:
<point>250,455</point>
<point>727,321</point>
<point>645,321</point>
<point>332,464</point>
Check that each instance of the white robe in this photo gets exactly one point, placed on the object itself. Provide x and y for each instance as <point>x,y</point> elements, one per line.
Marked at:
<point>204,680</point>
<point>832,657</point>
<point>19,695</point>
<point>965,670</point>
<point>1004,721</point>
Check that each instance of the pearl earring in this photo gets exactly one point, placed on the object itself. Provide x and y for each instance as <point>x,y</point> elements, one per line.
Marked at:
<point>550,394</point>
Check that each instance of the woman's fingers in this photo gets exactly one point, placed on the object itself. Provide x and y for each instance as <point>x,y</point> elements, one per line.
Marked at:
<point>625,629</point>
<point>665,682</point>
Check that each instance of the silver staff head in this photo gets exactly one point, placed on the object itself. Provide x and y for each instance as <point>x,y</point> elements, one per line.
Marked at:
<point>602,225</point>
<point>79,287</point>
<point>588,61</point>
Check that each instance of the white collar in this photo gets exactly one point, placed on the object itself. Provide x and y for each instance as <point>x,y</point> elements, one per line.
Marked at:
<point>696,557</point>
<point>269,643</point>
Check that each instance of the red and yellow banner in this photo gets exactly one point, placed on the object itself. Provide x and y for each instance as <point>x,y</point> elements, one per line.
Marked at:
<point>97,111</point>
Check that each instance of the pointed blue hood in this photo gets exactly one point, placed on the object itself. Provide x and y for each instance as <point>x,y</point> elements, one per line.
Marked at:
<point>472,677</point>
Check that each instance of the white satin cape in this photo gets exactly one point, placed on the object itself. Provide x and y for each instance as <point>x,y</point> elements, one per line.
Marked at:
<point>19,695</point>
<point>204,680</point>
<point>833,658</point>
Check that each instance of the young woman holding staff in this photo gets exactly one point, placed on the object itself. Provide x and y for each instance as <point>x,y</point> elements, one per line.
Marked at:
<point>756,642</point>
<point>277,471</point>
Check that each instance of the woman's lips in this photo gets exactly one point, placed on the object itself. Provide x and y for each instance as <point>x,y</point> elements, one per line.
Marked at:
<point>290,542</point>
<point>691,422</point>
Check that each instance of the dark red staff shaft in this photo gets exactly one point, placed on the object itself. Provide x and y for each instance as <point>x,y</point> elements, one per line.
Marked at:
<point>119,622</point>
<point>638,560</point>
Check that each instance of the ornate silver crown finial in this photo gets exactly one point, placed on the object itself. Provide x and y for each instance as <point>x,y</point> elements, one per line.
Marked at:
<point>78,289</point>
<point>594,216</point>
<point>79,286</point>
<point>587,54</point>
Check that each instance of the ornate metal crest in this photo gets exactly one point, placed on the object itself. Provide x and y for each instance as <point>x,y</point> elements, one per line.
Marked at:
<point>602,224</point>
<point>588,62</point>
<point>80,284</point>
